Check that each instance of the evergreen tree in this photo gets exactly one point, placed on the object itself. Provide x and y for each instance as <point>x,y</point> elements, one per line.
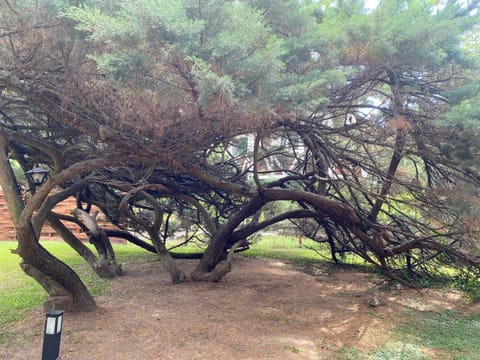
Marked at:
<point>135,106</point>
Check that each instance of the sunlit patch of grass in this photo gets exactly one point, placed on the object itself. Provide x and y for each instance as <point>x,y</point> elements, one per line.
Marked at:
<point>448,331</point>
<point>391,351</point>
<point>349,353</point>
<point>290,249</point>
<point>18,292</point>
<point>130,253</point>
<point>398,351</point>
<point>286,248</point>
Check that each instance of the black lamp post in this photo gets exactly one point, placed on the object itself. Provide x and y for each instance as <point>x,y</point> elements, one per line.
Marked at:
<point>37,176</point>
<point>52,334</point>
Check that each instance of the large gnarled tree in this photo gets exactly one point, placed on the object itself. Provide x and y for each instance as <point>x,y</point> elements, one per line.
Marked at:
<point>139,109</point>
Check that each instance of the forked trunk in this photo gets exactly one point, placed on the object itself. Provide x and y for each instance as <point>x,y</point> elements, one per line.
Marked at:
<point>105,250</point>
<point>211,267</point>
<point>100,268</point>
<point>212,256</point>
<point>107,264</point>
<point>221,269</point>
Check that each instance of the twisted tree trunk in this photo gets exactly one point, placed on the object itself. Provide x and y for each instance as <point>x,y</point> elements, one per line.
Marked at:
<point>100,267</point>
<point>99,238</point>
<point>61,283</point>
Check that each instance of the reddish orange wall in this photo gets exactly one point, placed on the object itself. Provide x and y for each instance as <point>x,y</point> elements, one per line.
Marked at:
<point>7,231</point>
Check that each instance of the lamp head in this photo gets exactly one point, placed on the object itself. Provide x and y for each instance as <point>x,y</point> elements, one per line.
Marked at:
<point>53,322</point>
<point>37,176</point>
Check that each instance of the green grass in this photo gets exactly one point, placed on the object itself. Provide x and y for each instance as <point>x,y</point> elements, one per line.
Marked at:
<point>18,292</point>
<point>393,351</point>
<point>456,335</point>
<point>398,351</point>
<point>288,248</point>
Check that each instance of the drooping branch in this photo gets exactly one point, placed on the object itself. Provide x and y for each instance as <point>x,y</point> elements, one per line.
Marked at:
<point>255,227</point>
<point>75,170</point>
<point>43,212</point>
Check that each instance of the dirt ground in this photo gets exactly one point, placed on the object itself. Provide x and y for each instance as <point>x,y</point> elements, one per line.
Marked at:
<point>263,309</point>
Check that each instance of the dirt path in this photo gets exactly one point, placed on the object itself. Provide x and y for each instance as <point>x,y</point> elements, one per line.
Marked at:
<point>263,309</point>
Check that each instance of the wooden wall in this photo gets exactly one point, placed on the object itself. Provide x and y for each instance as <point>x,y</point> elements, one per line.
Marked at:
<point>7,231</point>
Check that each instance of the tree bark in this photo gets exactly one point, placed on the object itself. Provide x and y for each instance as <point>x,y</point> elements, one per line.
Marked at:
<point>54,272</point>
<point>55,276</point>
<point>100,268</point>
<point>221,269</point>
<point>216,248</point>
<point>51,287</point>
<point>176,274</point>
<point>99,238</point>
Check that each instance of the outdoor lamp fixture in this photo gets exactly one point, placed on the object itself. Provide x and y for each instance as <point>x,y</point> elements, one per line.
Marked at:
<point>52,334</point>
<point>37,176</point>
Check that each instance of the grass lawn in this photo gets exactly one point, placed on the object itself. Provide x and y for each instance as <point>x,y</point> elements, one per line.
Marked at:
<point>289,248</point>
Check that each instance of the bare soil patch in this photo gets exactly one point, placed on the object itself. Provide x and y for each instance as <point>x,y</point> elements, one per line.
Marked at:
<point>263,309</point>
